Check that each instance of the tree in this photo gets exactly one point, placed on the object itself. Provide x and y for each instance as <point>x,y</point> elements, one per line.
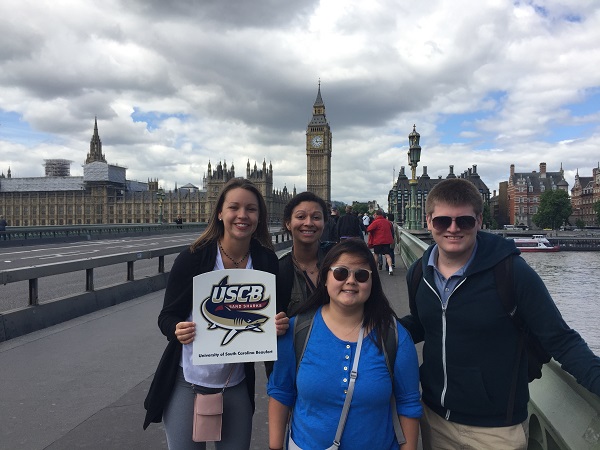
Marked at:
<point>487,216</point>
<point>579,223</point>
<point>597,210</point>
<point>555,208</point>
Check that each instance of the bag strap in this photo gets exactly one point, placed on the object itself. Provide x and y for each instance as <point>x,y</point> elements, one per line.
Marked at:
<point>302,328</point>
<point>504,278</point>
<point>346,408</point>
<point>417,275</point>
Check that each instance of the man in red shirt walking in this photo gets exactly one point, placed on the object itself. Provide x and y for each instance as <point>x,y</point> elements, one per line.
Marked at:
<point>380,231</point>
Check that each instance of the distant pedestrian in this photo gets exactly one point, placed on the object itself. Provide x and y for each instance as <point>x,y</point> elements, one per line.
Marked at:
<point>349,225</point>
<point>366,220</point>
<point>330,231</point>
<point>396,236</point>
<point>179,222</point>
<point>3,225</point>
<point>380,236</point>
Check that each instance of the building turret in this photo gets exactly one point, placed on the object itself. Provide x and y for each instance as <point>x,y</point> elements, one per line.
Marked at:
<point>95,153</point>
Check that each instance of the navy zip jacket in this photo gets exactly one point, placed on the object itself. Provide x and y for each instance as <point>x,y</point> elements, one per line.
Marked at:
<point>470,345</point>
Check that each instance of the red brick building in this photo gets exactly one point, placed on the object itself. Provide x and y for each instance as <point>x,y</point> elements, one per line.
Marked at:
<point>586,192</point>
<point>525,189</point>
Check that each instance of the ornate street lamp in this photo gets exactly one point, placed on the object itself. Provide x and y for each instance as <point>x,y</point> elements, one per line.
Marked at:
<point>160,196</point>
<point>414,156</point>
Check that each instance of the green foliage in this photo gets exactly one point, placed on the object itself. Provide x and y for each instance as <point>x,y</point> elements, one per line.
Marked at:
<point>579,223</point>
<point>597,210</point>
<point>487,216</point>
<point>555,208</point>
<point>360,208</point>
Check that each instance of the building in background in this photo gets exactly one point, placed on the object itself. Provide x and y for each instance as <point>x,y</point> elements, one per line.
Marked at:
<point>586,192</point>
<point>104,195</point>
<point>525,189</point>
<point>318,152</point>
<point>399,197</point>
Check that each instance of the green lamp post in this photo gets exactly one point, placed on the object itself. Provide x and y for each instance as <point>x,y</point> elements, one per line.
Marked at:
<point>160,196</point>
<point>414,156</point>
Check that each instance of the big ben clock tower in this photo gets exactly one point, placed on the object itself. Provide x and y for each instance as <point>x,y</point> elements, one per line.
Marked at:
<point>318,152</point>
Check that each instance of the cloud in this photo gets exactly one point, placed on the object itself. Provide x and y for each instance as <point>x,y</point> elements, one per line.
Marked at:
<point>176,84</point>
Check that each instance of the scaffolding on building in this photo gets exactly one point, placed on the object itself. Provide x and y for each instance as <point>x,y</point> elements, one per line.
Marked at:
<point>57,167</point>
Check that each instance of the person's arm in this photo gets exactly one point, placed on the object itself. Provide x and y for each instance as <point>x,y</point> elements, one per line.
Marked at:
<point>178,298</point>
<point>406,389</point>
<point>541,316</point>
<point>410,428</point>
<point>278,419</point>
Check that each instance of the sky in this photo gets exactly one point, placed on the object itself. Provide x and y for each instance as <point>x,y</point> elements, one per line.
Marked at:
<point>176,84</point>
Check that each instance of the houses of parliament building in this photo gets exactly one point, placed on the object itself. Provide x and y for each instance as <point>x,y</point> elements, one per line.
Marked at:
<point>104,195</point>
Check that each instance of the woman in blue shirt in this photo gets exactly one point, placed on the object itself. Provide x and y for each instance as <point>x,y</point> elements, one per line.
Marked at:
<point>349,296</point>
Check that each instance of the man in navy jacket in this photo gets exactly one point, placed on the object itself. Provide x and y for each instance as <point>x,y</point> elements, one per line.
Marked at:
<point>470,342</point>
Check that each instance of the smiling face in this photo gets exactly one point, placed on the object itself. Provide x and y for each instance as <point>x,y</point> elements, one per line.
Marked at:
<point>348,294</point>
<point>239,214</point>
<point>453,242</point>
<point>306,223</point>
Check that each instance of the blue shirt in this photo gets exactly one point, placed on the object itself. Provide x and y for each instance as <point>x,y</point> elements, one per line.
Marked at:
<point>317,394</point>
<point>446,286</point>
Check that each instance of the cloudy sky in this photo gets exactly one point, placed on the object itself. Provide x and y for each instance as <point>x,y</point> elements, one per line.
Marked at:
<point>175,84</point>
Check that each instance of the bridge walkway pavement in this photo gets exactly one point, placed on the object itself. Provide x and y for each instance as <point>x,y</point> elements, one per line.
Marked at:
<point>81,384</point>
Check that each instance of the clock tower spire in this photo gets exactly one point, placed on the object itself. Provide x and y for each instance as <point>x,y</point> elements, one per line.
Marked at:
<point>318,151</point>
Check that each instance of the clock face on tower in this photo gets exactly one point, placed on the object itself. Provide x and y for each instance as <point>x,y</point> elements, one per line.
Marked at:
<point>317,141</point>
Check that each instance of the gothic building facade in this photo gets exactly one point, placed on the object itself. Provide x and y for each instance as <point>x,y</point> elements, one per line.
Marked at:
<point>399,197</point>
<point>318,151</point>
<point>103,195</point>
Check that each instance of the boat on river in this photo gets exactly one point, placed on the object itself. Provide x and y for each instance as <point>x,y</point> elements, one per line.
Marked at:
<point>535,243</point>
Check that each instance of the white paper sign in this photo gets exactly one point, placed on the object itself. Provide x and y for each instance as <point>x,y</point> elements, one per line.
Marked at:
<point>234,312</point>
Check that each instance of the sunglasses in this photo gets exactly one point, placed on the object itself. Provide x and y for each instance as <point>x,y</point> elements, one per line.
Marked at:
<point>342,274</point>
<point>442,223</point>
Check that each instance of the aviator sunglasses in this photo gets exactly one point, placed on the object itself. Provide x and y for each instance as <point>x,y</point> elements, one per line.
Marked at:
<point>342,274</point>
<point>442,223</point>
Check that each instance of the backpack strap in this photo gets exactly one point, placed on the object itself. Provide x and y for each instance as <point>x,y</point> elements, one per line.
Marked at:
<point>504,277</point>
<point>417,276</point>
<point>302,328</point>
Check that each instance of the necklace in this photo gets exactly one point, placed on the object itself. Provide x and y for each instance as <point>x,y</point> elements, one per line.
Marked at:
<point>235,263</point>
<point>303,267</point>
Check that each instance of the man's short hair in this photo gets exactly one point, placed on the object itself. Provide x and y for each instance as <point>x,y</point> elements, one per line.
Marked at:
<point>454,192</point>
<point>348,208</point>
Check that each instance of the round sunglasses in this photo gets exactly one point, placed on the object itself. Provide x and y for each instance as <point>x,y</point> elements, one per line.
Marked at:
<point>442,223</point>
<point>342,273</point>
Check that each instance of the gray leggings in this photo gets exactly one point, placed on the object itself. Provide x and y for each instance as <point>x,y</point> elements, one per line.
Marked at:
<point>237,418</point>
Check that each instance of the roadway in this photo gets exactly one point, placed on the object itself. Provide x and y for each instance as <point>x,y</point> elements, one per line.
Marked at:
<point>15,295</point>
<point>81,384</point>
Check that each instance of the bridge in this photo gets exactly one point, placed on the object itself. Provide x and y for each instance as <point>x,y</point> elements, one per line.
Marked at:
<point>81,383</point>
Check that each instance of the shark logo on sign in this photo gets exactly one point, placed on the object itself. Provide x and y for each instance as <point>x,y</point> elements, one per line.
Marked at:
<point>231,307</point>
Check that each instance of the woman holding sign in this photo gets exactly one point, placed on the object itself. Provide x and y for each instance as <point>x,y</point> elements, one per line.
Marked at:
<point>237,237</point>
<point>351,329</point>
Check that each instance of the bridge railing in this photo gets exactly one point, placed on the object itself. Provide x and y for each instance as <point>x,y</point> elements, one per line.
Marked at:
<point>22,235</point>
<point>38,315</point>
<point>562,413</point>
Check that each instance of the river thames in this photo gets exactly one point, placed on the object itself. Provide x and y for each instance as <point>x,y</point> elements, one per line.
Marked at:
<point>574,283</point>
